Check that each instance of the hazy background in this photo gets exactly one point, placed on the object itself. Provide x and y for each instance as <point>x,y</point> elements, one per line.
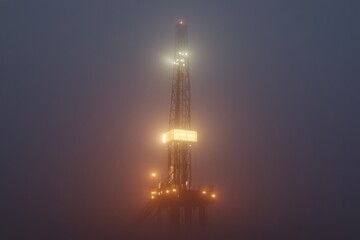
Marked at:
<point>85,96</point>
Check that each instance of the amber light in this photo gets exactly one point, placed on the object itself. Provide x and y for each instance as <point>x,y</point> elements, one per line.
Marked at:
<point>179,135</point>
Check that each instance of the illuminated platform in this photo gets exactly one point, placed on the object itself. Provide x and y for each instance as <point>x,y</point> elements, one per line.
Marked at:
<point>179,135</point>
<point>179,207</point>
<point>173,197</point>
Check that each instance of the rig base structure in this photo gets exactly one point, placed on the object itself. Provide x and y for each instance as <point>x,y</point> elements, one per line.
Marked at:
<point>173,207</point>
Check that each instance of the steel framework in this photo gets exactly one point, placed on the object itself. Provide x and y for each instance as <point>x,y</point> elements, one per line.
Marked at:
<point>179,152</point>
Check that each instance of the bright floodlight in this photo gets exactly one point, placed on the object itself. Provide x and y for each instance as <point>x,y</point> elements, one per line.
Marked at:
<point>179,135</point>
<point>153,174</point>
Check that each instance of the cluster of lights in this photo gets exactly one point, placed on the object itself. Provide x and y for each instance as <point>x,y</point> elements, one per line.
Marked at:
<point>181,60</point>
<point>156,192</point>
<point>176,63</point>
<point>183,53</point>
<point>212,195</point>
<point>167,191</point>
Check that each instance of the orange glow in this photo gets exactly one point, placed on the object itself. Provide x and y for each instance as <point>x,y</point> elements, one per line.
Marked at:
<point>203,192</point>
<point>213,195</point>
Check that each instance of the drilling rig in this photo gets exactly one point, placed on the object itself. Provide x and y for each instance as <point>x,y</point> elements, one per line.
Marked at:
<point>174,200</point>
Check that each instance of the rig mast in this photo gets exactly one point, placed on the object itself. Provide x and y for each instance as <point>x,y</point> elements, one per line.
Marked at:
<point>179,152</point>
<point>174,200</point>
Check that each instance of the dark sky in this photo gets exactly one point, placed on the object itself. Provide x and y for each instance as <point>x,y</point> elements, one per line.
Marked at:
<point>85,95</point>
